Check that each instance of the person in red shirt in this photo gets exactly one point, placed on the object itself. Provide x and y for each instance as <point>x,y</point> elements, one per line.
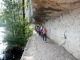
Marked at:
<point>44,31</point>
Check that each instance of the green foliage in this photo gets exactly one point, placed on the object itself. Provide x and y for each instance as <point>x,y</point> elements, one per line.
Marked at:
<point>29,31</point>
<point>13,21</point>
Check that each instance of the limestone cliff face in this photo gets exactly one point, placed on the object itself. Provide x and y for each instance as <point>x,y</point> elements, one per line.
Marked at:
<point>44,9</point>
<point>65,30</point>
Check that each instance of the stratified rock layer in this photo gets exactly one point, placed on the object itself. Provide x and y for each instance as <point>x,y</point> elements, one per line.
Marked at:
<point>44,9</point>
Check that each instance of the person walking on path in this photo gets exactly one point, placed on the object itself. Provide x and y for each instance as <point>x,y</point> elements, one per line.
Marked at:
<point>37,29</point>
<point>41,27</point>
<point>44,31</point>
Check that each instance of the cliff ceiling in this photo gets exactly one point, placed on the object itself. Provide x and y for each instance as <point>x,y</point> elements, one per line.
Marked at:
<point>44,9</point>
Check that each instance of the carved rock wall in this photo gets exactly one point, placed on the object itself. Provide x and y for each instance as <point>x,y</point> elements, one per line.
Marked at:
<point>62,20</point>
<point>65,30</point>
<point>43,9</point>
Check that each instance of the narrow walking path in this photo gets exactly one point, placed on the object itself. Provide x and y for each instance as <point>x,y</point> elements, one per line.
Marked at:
<point>37,49</point>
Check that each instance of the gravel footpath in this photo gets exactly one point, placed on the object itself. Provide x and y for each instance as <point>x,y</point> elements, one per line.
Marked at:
<point>37,49</point>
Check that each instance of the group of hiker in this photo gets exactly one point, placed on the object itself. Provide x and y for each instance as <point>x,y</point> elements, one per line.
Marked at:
<point>41,30</point>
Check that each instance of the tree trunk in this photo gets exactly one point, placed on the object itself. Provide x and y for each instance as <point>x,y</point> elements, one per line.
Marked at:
<point>23,3</point>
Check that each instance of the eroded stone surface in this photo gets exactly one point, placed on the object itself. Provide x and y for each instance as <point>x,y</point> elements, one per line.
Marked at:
<point>65,30</point>
<point>52,8</point>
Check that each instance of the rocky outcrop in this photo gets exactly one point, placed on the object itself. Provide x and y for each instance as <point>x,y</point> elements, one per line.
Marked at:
<point>43,9</point>
<point>65,31</point>
<point>62,20</point>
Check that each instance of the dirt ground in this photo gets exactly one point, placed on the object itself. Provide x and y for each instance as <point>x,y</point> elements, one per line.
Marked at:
<point>37,49</point>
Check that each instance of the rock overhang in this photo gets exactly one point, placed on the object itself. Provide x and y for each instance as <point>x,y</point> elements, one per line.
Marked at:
<point>44,9</point>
